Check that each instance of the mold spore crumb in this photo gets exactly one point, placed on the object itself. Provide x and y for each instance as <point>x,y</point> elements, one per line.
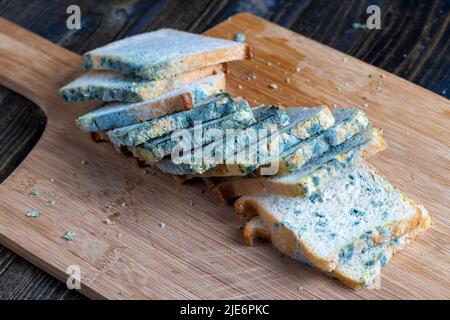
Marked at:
<point>357,25</point>
<point>32,213</point>
<point>239,37</point>
<point>69,235</point>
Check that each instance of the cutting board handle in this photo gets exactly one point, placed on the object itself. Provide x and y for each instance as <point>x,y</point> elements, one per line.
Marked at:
<point>33,66</point>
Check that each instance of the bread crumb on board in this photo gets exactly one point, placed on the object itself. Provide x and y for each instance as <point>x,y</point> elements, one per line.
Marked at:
<point>273,86</point>
<point>50,202</point>
<point>111,220</point>
<point>239,37</point>
<point>69,235</point>
<point>357,25</point>
<point>32,213</point>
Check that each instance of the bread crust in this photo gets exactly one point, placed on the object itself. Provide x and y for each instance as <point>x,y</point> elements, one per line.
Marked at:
<point>99,136</point>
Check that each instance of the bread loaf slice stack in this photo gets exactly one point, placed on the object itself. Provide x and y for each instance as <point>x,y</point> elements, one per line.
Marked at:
<point>148,80</point>
<point>299,175</point>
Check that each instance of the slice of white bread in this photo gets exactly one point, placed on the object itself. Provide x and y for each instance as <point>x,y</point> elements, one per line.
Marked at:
<point>363,267</point>
<point>118,114</point>
<point>164,53</point>
<point>155,150</point>
<point>303,183</point>
<point>358,207</point>
<point>267,118</point>
<point>303,123</point>
<point>214,107</point>
<point>350,126</point>
<point>110,86</point>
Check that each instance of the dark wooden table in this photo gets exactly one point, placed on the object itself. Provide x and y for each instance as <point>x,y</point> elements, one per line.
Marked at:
<point>413,43</point>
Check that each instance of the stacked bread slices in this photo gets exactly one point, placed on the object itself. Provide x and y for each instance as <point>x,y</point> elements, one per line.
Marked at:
<point>299,174</point>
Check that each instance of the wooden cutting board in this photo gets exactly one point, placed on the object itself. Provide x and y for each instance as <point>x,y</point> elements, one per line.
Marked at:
<point>199,252</point>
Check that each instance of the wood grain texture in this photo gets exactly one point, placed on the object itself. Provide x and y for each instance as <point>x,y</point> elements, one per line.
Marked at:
<point>199,252</point>
<point>412,43</point>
